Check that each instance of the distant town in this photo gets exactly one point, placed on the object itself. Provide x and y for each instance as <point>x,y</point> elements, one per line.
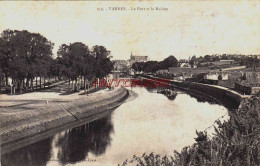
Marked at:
<point>238,72</point>
<point>136,83</point>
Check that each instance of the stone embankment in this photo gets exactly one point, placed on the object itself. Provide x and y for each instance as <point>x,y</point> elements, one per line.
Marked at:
<point>23,121</point>
<point>227,97</point>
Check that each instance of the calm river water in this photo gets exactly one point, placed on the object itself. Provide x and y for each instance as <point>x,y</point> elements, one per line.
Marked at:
<point>148,123</point>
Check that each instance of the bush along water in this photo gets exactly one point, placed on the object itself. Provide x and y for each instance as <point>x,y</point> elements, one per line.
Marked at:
<point>235,142</point>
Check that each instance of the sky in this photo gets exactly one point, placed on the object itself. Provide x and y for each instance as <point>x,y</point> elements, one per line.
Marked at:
<point>183,29</point>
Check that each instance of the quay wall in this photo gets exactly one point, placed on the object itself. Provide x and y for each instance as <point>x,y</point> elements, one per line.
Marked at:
<point>224,96</point>
<point>227,97</point>
<point>38,120</point>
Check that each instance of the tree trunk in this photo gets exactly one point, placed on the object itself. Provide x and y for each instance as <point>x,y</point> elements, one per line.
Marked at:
<point>13,80</point>
<point>6,80</point>
<point>69,84</point>
<point>12,85</point>
<point>72,85</point>
<point>76,84</point>
<point>27,84</point>
<point>14,88</point>
<point>96,85</point>
<point>44,82</point>
<point>23,85</point>
<point>36,83</point>
<point>40,82</point>
<point>84,85</point>
<point>19,85</point>
<point>11,89</point>
<point>32,84</point>
<point>88,89</point>
<point>81,82</point>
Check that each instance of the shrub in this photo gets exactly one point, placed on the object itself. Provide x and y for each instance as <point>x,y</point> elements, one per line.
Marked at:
<point>236,142</point>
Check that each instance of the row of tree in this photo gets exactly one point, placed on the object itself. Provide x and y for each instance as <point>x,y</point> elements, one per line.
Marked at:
<point>26,57</point>
<point>153,66</point>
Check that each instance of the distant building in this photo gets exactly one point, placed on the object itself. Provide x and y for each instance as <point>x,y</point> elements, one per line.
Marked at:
<point>138,58</point>
<point>246,88</point>
<point>164,72</point>
<point>233,79</point>
<point>184,63</point>
<point>217,76</point>
<point>254,56</point>
<point>227,60</point>
<point>252,77</point>
<point>188,71</point>
<point>120,65</point>
<point>219,63</point>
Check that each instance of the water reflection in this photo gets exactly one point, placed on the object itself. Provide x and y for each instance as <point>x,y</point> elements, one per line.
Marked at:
<point>35,154</point>
<point>199,97</point>
<point>202,99</point>
<point>73,145</point>
<point>149,123</point>
<point>93,137</point>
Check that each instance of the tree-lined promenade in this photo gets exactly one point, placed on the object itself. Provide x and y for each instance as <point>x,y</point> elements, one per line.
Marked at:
<point>27,57</point>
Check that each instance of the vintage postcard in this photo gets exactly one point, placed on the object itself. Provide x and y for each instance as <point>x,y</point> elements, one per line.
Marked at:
<point>142,83</point>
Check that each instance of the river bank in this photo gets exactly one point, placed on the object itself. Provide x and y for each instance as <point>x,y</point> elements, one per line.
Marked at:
<point>235,142</point>
<point>224,96</point>
<point>29,117</point>
<point>144,118</point>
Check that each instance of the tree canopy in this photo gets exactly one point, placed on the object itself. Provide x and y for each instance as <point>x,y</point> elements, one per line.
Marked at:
<point>24,56</point>
<point>153,66</point>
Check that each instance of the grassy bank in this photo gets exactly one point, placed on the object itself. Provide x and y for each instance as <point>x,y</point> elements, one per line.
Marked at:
<point>236,142</point>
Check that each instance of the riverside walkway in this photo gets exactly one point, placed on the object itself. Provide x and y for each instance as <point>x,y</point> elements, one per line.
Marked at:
<point>36,112</point>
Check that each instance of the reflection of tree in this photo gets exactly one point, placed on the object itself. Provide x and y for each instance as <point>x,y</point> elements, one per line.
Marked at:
<point>35,154</point>
<point>172,97</point>
<point>202,99</point>
<point>151,89</point>
<point>226,101</point>
<point>78,142</point>
<point>99,134</point>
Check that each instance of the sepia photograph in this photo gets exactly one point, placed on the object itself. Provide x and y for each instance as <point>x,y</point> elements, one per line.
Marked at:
<point>130,83</point>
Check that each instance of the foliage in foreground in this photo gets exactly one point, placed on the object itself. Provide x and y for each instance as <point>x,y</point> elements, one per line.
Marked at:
<point>236,142</point>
